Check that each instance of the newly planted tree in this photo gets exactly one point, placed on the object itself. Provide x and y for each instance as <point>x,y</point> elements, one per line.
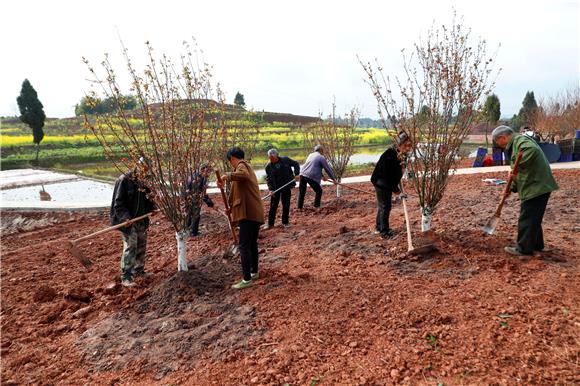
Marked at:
<point>236,129</point>
<point>435,103</point>
<point>337,135</point>
<point>178,133</point>
<point>32,113</point>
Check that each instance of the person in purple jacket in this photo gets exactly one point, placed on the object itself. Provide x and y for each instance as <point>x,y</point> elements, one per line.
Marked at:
<point>311,174</point>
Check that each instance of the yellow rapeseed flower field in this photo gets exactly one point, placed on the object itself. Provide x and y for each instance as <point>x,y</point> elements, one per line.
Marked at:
<point>21,140</point>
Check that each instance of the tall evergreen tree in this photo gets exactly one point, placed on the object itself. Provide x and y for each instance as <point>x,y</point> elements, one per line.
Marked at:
<point>239,100</point>
<point>31,112</point>
<point>528,110</point>
<point>491,113</point>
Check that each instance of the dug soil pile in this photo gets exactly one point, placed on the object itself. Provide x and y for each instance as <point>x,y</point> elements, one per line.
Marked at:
<point>334,305</point>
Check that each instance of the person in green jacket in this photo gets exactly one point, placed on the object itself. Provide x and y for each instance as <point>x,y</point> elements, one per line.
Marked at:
<point>533,183</point>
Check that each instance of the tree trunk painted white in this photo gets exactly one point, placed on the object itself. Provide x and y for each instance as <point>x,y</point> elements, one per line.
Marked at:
<point>181,251</point>
<point>426,216</point>
<point>338,190</point>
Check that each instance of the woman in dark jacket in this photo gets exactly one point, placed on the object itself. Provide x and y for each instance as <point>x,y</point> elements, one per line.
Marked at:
<point>386,178</point>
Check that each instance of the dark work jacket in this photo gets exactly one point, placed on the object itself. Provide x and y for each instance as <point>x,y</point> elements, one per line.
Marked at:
<point>129,201</point>
<point>280,173</point>
<point>201,185</point>
<point>388,171</point>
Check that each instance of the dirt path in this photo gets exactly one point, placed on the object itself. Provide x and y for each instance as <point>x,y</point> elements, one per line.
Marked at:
<point>335,304</point>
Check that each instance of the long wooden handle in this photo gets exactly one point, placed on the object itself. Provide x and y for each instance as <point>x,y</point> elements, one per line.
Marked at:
<point>121,225</point>
<point>508,186</point>
<point>279,189</point>
<point>409,240</point>
<point>227,206</point>
<point>353,188</point>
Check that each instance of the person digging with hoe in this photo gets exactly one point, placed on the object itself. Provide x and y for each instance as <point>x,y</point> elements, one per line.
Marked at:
<point>281,174</point>
<point>247,212</point>
<point>386,178</point>
<point>533,183</point>
<point>130,200</point>
<point>311,174</point>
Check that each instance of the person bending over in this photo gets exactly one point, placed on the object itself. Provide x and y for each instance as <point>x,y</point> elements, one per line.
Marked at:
<point>311,174</point>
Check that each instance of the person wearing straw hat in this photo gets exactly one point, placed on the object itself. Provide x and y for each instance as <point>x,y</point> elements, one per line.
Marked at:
<point>281,173</point>
<point>386,178</point>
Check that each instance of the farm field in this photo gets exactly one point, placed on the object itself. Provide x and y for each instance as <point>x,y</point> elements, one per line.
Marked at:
<point>68,147</point>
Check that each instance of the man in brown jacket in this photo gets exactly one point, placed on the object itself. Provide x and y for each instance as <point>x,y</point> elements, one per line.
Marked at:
<point>247,213</point>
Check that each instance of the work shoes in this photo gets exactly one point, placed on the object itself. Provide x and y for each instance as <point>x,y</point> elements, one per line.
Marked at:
<point>265,227</point>
<point>143,274</point>
<point>286,225</point>
<point>127,281</point>
<point>255,275</point>
<point>242,284</point>
<point>387,234</point>
<point>513,251</point>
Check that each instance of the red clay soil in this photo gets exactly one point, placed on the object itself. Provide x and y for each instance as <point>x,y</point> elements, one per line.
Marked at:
<point>335,304</point>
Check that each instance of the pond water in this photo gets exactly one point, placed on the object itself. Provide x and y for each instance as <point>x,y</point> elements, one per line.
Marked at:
<point>70,191</point>
<point>363,155</point>
<point>93,191</point>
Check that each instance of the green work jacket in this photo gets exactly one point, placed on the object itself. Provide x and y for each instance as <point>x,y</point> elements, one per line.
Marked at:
<point>534,176</point>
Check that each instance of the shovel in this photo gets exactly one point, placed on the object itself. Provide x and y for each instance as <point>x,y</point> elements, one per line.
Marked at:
<point>232,249</point>
<point>492,223</point>
<point>44,195</point>
<point>410,249</point>
<point>78,254</point>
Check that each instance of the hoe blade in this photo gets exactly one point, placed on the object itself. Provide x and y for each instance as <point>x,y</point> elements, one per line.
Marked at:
<point>78,254</point>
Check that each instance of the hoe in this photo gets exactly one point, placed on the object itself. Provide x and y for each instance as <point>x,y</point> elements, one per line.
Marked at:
<point>78,254</point>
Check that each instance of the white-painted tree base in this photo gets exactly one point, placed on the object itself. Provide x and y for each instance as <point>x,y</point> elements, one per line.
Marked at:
<point>426,216</point>
<point>181,251</point>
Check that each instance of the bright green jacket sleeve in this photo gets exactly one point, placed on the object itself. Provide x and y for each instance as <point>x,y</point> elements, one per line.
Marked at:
<point>534,176</point>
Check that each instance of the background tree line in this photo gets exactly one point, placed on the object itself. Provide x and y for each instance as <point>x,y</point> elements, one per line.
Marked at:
<point>104,105</point>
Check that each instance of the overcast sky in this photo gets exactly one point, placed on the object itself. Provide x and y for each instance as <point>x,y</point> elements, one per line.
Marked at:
<point>284,56</point>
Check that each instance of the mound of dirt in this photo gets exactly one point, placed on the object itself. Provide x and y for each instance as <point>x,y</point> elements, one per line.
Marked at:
<point>16,222</point>
<point>171,327</point>
<point>44,294</point>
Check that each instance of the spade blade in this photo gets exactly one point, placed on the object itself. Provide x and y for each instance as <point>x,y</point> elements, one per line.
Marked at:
<point>490,226</point>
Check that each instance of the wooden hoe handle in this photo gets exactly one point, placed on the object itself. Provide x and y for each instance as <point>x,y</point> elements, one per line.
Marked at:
<point>508,186</point>
<point>121,225</point>
<point>227,206</point>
